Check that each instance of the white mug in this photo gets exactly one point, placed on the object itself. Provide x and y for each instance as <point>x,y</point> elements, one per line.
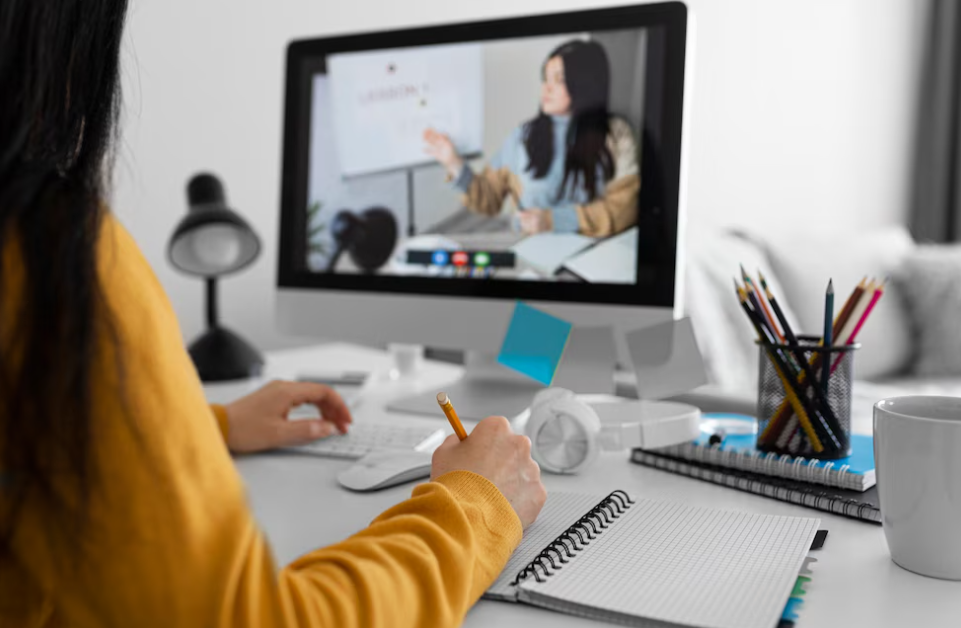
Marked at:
<point>917,450</point>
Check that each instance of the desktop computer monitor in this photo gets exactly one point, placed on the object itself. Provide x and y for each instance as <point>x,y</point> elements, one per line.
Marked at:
<point>433,177</point>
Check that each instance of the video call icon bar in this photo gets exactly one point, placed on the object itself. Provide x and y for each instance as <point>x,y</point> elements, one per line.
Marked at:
<point>462,259</point>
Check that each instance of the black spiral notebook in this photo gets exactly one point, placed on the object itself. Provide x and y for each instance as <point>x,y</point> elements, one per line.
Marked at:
<point>854,504</point>
<point>641,562</point>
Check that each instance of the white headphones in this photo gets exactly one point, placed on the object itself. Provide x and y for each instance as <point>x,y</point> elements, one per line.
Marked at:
<point>567,430</point>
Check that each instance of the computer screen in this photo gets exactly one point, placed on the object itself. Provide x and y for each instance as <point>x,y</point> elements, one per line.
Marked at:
<point>526,158</point>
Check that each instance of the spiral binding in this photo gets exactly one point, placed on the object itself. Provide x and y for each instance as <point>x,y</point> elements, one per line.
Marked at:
<point>770,487</point>
<point>576,537</point>
<point>769,463</point>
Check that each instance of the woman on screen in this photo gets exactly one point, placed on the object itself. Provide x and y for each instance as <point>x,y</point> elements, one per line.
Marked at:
<point>572,168</point>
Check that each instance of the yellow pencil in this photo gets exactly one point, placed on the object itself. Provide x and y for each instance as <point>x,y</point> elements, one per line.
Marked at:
<point>444,402</point>
<point>789,393</point>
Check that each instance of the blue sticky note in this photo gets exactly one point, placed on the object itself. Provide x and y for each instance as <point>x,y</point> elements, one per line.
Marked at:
<point>534,343</point>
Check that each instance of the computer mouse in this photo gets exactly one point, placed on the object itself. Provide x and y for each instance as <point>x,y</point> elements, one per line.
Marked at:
<point>385,468</point>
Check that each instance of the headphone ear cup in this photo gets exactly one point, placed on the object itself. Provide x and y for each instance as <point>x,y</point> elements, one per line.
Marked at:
<point>551,394</point>
<point>563,433</point>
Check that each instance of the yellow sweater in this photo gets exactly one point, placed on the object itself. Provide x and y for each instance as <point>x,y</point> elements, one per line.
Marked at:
<point>172,541</point>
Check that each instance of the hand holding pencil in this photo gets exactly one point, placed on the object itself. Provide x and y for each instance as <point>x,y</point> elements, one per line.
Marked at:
<point>502,459</point>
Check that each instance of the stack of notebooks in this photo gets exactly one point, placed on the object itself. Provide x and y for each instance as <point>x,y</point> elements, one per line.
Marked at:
<point>641,562</point>
<point>844,487</point>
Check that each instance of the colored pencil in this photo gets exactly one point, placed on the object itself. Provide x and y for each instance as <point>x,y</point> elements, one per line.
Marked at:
<point>878,292</point>
<point>855,321</point>
<point>847,321</point>
<point>875,297</point>
<point>857,312</point>
<point>842,329</point>
<point>756,305</point>
<point>828,339</point>
<point>849,304</point>
<point>808,373</point>
<point>785,325</point>
<point>753,289</point>
<point>815,430</point>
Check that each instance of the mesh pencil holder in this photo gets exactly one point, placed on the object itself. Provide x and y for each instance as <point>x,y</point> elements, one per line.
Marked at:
<point>798,416</point>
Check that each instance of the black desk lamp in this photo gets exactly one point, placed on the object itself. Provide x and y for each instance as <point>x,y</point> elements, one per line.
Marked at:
<point>369,238</point>
<point>212,241</point>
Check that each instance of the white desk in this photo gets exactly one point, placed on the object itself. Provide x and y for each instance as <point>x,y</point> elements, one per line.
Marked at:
<point>300,507</point>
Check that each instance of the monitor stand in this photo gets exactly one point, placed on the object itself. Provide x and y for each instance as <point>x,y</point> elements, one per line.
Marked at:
<point>488,388</point>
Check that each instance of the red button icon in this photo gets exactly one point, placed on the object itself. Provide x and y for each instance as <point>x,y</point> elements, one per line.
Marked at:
<point>460,258</point>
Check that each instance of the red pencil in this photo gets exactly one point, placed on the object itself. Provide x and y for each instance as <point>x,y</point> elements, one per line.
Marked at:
<point>878,292</point>
<point>874,299</point>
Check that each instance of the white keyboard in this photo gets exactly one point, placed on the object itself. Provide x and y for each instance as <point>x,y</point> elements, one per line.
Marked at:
<point>362,439</point>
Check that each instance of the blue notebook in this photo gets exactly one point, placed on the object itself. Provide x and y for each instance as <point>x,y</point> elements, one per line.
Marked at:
<point>738,451</point>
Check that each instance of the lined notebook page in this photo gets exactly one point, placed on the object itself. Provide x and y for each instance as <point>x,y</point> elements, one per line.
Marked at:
<point>560,511</point>
<point>682,565</point>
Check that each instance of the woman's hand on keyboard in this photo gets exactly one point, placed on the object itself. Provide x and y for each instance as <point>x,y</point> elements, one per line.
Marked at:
<point>259,420</point>
<point>503,457</point>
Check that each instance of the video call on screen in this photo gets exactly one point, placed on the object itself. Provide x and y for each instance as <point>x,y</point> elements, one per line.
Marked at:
<point>515,159</point>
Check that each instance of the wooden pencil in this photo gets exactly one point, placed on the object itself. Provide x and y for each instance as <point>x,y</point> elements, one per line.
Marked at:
<point>808,373</point>
<point>776,306</point>
<point>842,329</point>
<point>752,289</point>
<point>784,374</point>
<point>852,338</point>
<point>849,304</point>
<point>827,340</point>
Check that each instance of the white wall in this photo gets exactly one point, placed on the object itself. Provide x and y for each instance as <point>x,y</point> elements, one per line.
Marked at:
<point>803,110</point>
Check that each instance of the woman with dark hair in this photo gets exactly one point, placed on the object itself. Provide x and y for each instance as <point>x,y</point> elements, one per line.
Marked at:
<point>119,503</point>
<point>573,168</point>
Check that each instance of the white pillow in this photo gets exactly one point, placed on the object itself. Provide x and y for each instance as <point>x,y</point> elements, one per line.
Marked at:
<point>930,282</point>
<point>805,262</point>
<point>724,334</point>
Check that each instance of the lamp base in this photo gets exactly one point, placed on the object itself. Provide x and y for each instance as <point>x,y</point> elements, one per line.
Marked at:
<point>220,355</point>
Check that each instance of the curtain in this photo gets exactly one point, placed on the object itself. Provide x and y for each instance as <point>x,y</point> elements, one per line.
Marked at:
<point>936,202</point>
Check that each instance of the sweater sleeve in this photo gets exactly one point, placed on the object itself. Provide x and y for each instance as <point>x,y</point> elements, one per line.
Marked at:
<point>171,540</point>
<point>424,562</point>
<point>616,211</point>
<point>485,192</point>
<point>220,414</point>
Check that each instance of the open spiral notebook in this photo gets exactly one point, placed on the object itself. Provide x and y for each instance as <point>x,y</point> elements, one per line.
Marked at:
<point>644,562</point>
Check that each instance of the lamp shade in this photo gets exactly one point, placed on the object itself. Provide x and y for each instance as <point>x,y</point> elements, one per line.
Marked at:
<point>212,240</point>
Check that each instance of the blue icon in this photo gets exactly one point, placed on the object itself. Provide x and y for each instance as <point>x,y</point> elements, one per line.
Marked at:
<point>440,258</point>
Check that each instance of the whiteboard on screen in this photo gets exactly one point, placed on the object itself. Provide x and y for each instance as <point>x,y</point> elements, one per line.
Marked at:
<point>383,100</point>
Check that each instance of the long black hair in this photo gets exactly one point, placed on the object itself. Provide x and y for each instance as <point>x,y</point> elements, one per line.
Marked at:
<point>59,103</point>
<point>587,75</point>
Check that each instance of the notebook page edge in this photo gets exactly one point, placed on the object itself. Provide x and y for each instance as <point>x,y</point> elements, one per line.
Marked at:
<point>530,592</point>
